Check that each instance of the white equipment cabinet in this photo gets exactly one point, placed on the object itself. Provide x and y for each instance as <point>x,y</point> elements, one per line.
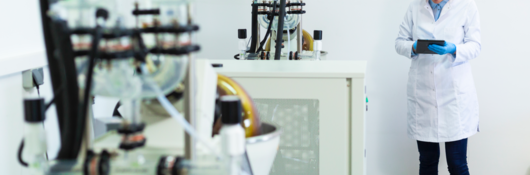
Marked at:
<point>320,106</point>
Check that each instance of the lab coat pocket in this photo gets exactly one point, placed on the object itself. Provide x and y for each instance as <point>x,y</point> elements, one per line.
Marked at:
<point>454,34</point>
<point>461,74</point>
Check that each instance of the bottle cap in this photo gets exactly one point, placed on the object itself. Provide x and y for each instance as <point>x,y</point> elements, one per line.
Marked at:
<point>34,110</point>
<point>317,35</point>
<point>103,13</point>
<point>242,34</point>
<point>231,109</point>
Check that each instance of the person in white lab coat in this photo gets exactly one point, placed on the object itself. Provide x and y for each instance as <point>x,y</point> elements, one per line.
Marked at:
<point>442,100</point>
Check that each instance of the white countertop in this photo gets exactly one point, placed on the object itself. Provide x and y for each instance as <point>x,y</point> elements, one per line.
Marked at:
<point>17,63</point>
<point>298,69</point>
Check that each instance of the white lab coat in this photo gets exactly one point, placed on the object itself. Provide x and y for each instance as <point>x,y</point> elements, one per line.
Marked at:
<point>442,100</point>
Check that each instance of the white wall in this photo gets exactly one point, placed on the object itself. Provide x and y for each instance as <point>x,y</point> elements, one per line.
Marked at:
<point>366,30</point>
<point>20,39</point>
<point>21,28</point>
<point>11,127</point>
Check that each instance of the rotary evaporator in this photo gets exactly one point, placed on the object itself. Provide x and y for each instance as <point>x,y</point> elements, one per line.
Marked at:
<point>179,116</point>
<point>284,37</point>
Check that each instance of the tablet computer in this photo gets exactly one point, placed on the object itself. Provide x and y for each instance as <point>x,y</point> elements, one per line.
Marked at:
<point>423,46</point>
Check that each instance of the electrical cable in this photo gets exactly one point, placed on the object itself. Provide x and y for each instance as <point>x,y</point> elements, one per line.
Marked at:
<point>57,93</point>
<point>288,42</point>
<point>255,37</point>
<point>266,35</point>
<point>20,160</point>
<point>38,90</point>
<point>50,103</point>
<point>97,35</point>
<point>248,43</point>
<point>269,28</point>
<point>90,71</point>
<point>36,85</point>
<point>88,83</point>
<point>279,36</point>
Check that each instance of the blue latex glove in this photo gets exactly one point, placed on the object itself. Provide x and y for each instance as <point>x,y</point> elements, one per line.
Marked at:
<point>413,53</point>
<point>447,48</point>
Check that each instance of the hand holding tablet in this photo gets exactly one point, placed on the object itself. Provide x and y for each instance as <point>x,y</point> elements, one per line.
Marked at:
<point>422,46</point>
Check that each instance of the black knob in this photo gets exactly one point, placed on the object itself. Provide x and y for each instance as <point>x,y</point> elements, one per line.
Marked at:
<point>242,33</point>
<point>231,109</point>
<point>102,13</point>
<point>34,110</point>
<point>317,35</point>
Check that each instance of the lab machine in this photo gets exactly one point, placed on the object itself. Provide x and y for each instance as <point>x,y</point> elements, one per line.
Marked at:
<point>319,104</point>
<point>284,36</point>
<point>179,116</point>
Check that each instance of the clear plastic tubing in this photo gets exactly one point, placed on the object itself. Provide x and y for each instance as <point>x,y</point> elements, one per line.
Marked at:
<point>242,35</point>
<point>176,114</point>
<point>132,110</point>
<point>317,46</point>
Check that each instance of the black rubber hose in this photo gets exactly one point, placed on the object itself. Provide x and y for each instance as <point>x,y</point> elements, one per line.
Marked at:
<point>279,32</point>
<point>268,29</point>
<point>255,37</point>
<point>50,103</point>
<point>91,64</point>
<point>96,38</point>
<point>20,148</point>
<point>57,92</point>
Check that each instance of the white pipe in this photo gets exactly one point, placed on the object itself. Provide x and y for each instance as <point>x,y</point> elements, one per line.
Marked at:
<point>176,114</point>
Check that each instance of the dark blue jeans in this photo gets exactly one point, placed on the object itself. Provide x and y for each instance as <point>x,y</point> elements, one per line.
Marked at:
<point>456,153</point>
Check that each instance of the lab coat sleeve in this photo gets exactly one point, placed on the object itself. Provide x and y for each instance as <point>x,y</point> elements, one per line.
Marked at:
<point>404,41</point>
<point>471,46</point>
